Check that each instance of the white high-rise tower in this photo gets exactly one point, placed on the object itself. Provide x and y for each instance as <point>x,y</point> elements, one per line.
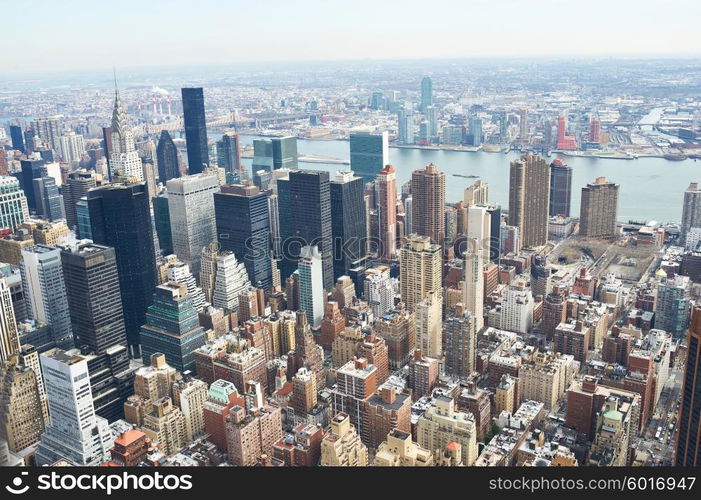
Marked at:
<point>124,158</point>
<point>473,286</point>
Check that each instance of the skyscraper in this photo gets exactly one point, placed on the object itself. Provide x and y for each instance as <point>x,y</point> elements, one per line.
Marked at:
<point>688,441</point>
<point>172,328</point>
<point>369,153</point>
<point>71,147</point>
<point>31,169</point>
<point>405,127</point>
<point>311,285</point>
<point>473,286</point>
<point>120,218</point>
<point>75,432</point>
<point>460,344</point>
<point>179,272</point>
<point>243,227</point>
<point>560,188</point>
<point>348,226</point>
<point>428,206</point>
<point>523,125</point>
<point>387,212</point>
<point>229,156</point>
<point>230,280</point>
<point>9,337</point>
<point>123,158</point>
<point>48,199</point>
<point>17,138</point>
<point>167,158</point>
<point>479,226</point>
<point>195,129</point>
<point>420,268</point>
<point>262,155</point>
<point>45,291</point>
<point>13,204</point>
<point>284,152</point>
<point>94,299</point>
<point>426,93</point>
<point>310,200</point>
<point>599,209</point>
<point>77,184</point>
<point>191,212</point>
<point>691,210</point>
<point>529,191</point>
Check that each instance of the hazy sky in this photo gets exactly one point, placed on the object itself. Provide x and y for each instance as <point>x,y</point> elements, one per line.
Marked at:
<point>49,35</point>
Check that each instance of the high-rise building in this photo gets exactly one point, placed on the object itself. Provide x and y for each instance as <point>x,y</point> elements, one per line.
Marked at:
<point>179,272</point>
<point>348,225</point>
<point>48,129</point>
<point>428,194</point>
<point>460,342</point>
<point>75,433</point>
<point>123,156</point>
<point>72,147</point>
<point>672,305</point>
<point>341,445</point>
<point>311,285</point>
<point>191,212</point>
<point>284,152</point>
<point>688,439</point>
<point>523,125</point>
<point>594,129</point>
<point>195,130</point>
<point>477,194</point>
<point>429,325</point>
<point>243,227</point>
<point>529,191</point>
<point>13,204</point>
<point>479,231</point>
<point>165,425</point>
<point>31,169</point>
<point>564,141</point>
<point>310,200</point>
<point>378,290</point>
<point>262,155</point>
<point>221,398</point>
<point>420,270</point>
<point>560,188</point>
<point>252,432</point>
<point>17,137</point>
<point>473,285</point>
<point>77,184</point>
<point>426,93</point>
<point>405,127</point>
<point>229,157</point>
<point>48,199</point>
<point>45,291</point>
<point>172,328</point>
<point>167,158</point>
<point>386,186</point>
<point>94,299</point>
<point>369,153</point>
<point>599,209</point>
<point>9,337</point>
<point>691,210</point>
<point>120,218</point>
<point>475,131</point>
<point>190,395</point>
<point>230,279</point>
<point>161,220</point>
<point>442,424</point>
<point>517,308</point>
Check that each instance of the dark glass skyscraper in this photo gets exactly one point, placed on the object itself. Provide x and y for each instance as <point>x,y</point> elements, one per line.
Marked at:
<point>31,169</point>
<point>310,202</point>
<point>369,153</point>
<point>688,452</point>
<point>426,93</point>
<point>348,226</point>
<point>243,226</point>
<point>48,199</point>
<point>17,138</point>
<point>92,287</point>
<point>76,186</point>
<point>161,215</point>
<point>195,129</point>
<point>167,158</point>
<point>120,218</point>
<point>494,232</point>
<point>229,155</point>
<point>284,152</point>
<point>560,188</point>
<point>287,264</point>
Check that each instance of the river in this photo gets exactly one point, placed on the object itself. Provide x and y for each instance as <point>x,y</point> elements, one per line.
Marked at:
<point>651,188</point>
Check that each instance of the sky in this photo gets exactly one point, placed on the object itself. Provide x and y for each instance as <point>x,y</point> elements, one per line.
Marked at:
<point>49,35</point>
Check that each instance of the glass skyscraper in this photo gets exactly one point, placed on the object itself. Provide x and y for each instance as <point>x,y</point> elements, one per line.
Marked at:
<point>167,158</point>
<point>369,153</point>
<point>195,129</point>
<point>348,226</point>
<point>560,188</point>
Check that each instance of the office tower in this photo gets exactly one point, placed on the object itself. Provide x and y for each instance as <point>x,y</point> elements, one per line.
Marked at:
<point>120,218</point>
<point>172,327</point>
<point>494,232</point>
<point>311,285</point>
<point>75,433</point>
<point>48,199</point>
<point>386,186</point>
<point>529,191</point>
<point>378,290</point>
<point>428,193</point>
<point>517,308</point>
<point>190,394</point>
<point>161,219</point>
<point>9,337</point>
<point>369,153</point>
<point>523,125</point>
<point>77,184</point>
<point>473,285</point>
<point>45,291</point>
<point>310,200</point>
<point>165,424</point>
<point>429,325</point>
<point>17,138</point>
<point>191,212</point>
<point>13,204</point>
<point>348,225</point>
<point>405,127</point>
<point>94,299</point>
<point>195,130</point>
<point>475,131</point>
<point>400,451</point>
<point>179,272</point>
<point>479,226</point>
<point>560,188</point>
<point>71,147</point>
<point>672,306</point>
<point>208,270</point>
<point>599,209</point>
<point>243,227</point>
<point>31,169</point>
<point>564,141</point>
<point>230,280</point>
<point>252,432</point>
<point>594,129</point>
<point>441,424</point>
<point>262,155</point>
<point>48,129</point>
<point>167,158</point>
<point>688,440</point>
<point>460,342</point>
<point>691,210</point>
<point>477,194</point>
<point>83,229</point>
<point>426,93</point>
<point>123,157</point>
<point>341,445</point>
<point>21,407</point>
<point>284,152</point>
<point>229,156</point>
<point>431,114</point>
<point>420,270</point>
